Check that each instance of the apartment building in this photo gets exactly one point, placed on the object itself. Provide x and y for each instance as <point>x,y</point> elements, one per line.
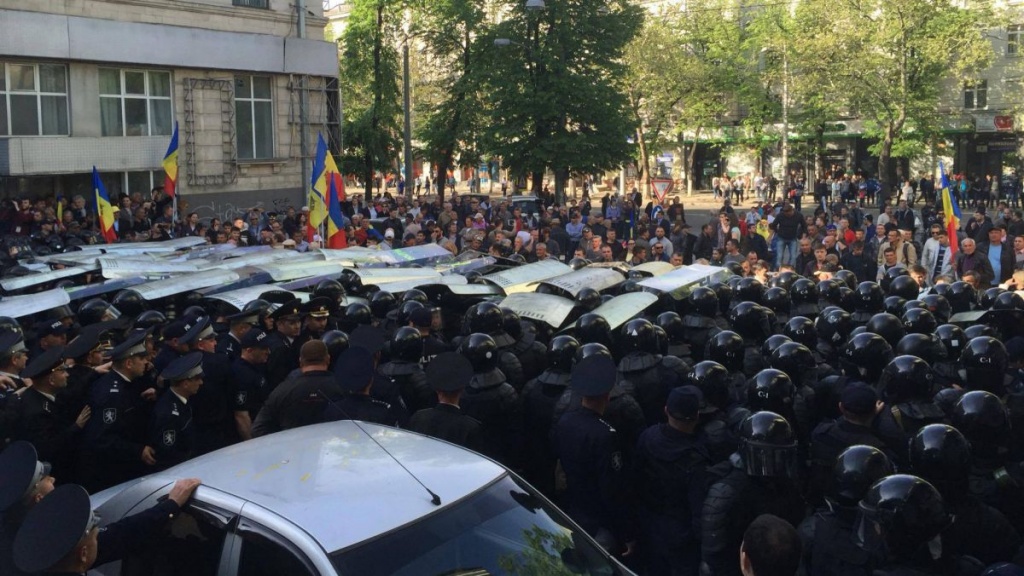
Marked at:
<point>102,83</point>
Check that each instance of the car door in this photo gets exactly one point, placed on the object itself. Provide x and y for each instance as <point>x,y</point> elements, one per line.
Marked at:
<point>195,542</point>
<point>264,544</point>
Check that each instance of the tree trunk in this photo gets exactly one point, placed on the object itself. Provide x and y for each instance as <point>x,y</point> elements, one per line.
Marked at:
<point>377,98</point>
<point>645,170</point>
<point>537,182</point>
<point>368,178</point>
<point>691,160</point>
<point>884,157</point>
<point>561,176</point>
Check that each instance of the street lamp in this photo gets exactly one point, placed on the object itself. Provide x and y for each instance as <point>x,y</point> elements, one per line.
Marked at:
<point>535,5</point>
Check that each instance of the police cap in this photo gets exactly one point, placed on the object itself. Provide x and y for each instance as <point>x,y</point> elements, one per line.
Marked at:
<point>201,329</point>
<point>291,310</point>
<point>53,528</point>
<point>593,376</point>
<point>684,402</point>
<point>250,317</point>
<point>11,343</point>
<point>44,363</point>
<point>255,338</point>
<point>51,328</point>
<point>319,307</point>
<point>133,345</point>
<point>449,372</point>
<point>20,471</point>
<point>370,337</point>
<point>355,368</point>
<point>92,337</point>
<point>422,317</point>
<point>859,398</point>
<point>188,366</point>
<point>175,329</point>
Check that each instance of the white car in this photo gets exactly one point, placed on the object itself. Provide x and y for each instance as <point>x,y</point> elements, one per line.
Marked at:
<point>328,499</point>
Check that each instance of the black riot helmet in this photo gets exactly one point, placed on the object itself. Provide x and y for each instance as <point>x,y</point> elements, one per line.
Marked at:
<point>777,298</point>
<point>749,290</point>
<point>771,390</point>
<point>802,330</point>
<point>887,326</point>
<point>894,305</point>
<point>770,345</point>
<point>588,299</point>
<point>865,356</point>
<point>927,347</point>
<point>938,306</point>
<point>953,340</point>
<point>919,321</point>
<point>350,282</point>
<point>733,267</point>
<point>512,323</point>
<point>259,305</point>
<point>129,302</point>
<point>381,303</point>
<point>911,305</point>
<point>1008,301</point>
<point>661,340</point>
<point>855,470</point>
<point>672,324</point>
<point>592,349</point>
<point>704,301</point>
<point>406,345</point>
<point>768,446</point>
<point>940,289</point>
<point>750,320</point>
<point>726,348</point>
<point>962,297</point>
<point>488,318</point>
<point>804,291</point>
<point>833,326</point>
<point>794,359</point>
<point>905,287</point>
<point>95,311</point>
<point>988,297</point>
<point>638,335</point>
<point>336,342</point>
<point>481,350</point>
<point>847,299</point>
<point>846,277</point>
<point>892,274</point>
<point>562,353</point>
<point>405,312</point>
<point>578,263</point>
<point>941,455</point>
<point>724,292</point>
<point>905,379</point>
<point>415,295</point>
<point>978,330</point>
<point>149,319</point>
<point>828,290</point>
<point>713,380</point>
<point>785,280</point>
<point>593,328</point>
<point>906,511</point>
<point>870,297</point>
<point>357,314</point>
<point>329,289</point>
<point>8,324</point>
<point>193,312</point>
<point>628,287</point>
<point>983,365</point>
<point>984,420</point>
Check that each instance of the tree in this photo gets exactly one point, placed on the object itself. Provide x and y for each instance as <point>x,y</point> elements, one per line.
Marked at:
<point>369,81</point>
<point>887,63</point>
<point>552,96</point>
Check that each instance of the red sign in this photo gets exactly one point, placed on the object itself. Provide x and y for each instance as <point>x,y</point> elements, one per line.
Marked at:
<point>662,186</point>
<point>1004,123</point>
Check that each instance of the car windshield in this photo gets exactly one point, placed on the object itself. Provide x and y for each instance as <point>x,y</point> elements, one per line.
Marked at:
<point>503,529</point>
<point>527,205</point>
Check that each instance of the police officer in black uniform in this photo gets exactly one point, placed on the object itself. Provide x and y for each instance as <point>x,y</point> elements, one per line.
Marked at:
<point>356,375</point>
<point>449,376</point>
<point>49,334</point>
<point>720,415</point>
<point>113,450</point>
<point>86,352</point>
<point>593,459</point>
<point>906,389</point>
<point>13,358</point>
<point>170,348</point>
<point>492,400</point>
<point>527,349</point>
<point>230,343</point>
<point>404,369</point>
<point>651,375</point>
<point>172,432</point>
<point>669,463</point>
<point>317,316</point>
<point>539,398</point>
<point>489,319</point>
<point>422,319</point>
<point>40,419</point>
<point>211,404</point>
<point>384,389</point>
<point>284,351</point>
<point>702,321</point>
<point>301,400</point>
<point>247,386</point>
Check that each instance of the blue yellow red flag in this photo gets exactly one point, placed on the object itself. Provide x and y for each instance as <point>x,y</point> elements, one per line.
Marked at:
<point>950,210</point>
<point>104,210</point>
<point>170,165</point>
<point>335,196</point>
<point>318,191</point>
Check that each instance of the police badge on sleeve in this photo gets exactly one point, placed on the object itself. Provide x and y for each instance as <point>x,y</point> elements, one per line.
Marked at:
<point>109,415</point>
<point>169,437</point>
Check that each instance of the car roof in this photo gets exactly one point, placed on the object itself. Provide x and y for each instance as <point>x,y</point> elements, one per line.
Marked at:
<point>335,483</point>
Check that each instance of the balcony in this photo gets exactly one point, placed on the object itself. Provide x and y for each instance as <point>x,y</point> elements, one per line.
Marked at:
<point>264,4</point>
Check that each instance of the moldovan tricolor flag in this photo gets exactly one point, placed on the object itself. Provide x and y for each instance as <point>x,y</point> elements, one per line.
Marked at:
<point>171,164</point>
<point>104,211</point>
<point>335,196</point>
<point>950,210</point>
<point>317,200</point>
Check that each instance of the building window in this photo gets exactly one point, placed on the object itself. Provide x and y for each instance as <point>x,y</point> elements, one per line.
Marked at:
<point>135,102</point>
<point>1013,39</point>
<point>143,182</point>
<point>254,117</point>
<point>976,96</point>
<point>252,3</point>
<point>33,99</point>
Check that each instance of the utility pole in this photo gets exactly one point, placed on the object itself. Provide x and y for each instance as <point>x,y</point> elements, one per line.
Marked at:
<point>300,5</point>
<point>785,117</point>
<point>406,104</point>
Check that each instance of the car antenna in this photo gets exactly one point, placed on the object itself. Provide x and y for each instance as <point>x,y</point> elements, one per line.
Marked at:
<point>434,498</point>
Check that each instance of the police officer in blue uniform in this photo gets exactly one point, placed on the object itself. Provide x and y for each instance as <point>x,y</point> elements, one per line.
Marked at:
<point>592,457</point>
<point>172,433</point>
<point>112,446</point>
<point>317,315</point>
<point>356,376</point>
<point>247,387</point>
<point>448,376</point>
<point>170,348</point>
<point>39,417</point>
<point>87,352</point>
<point>215,427</point>
<point>13,358</point>
<point>230,343</point>
<point>284,348</point>
<point>24,481</point>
